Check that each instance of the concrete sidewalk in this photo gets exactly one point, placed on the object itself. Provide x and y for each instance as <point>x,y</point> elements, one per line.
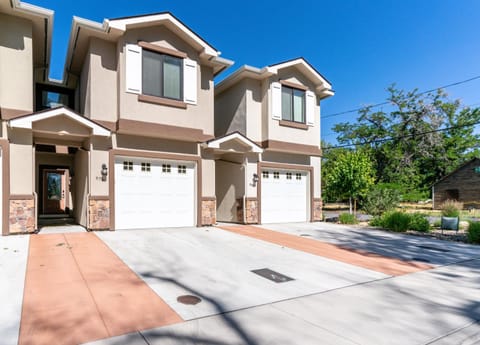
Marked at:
<point>429,307</point>
<point>13,263</point>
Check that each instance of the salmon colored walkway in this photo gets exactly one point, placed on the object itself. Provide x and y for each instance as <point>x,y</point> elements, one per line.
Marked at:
<point>375,262</point>
<point>77,290</point>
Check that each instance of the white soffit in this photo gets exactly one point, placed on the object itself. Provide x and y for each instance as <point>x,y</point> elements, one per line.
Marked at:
<point>27,121</point>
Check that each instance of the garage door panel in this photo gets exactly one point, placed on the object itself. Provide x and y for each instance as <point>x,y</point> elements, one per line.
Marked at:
<point>155,194</point>
<point>284,196</point>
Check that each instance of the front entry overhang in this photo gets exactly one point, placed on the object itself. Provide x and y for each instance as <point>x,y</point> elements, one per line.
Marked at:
<point>233,143</point>
<point>60,122</point>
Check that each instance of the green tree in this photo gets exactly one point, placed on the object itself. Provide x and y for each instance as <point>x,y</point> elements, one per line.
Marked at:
<point>349,175</point>
<point>420,139</point>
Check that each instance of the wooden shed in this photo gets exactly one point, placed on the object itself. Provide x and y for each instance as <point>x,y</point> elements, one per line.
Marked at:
<point>462,185</point>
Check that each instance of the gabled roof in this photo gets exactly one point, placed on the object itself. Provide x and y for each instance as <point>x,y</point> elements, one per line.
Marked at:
<point>26,121</point>
<point>42,26</point>
<point>322,85</point>
<point>232,137</point>
<point>112,29</point>
<point>456,170</point>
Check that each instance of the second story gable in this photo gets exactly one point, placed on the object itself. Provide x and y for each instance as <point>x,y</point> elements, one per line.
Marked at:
<point>276,104</point>
<point>144,70</point>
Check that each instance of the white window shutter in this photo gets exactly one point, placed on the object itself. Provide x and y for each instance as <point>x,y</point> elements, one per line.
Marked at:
<point>133,68</point>
<point>189,81</point>
<point>310,108</point>
<point>276,104</point>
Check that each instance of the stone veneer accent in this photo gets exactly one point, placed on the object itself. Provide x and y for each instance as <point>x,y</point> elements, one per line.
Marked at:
<point>99,214</point>
<point>251,210</point>
<point>22,216</point>
<point>317,210</point>
<point>209,211</point>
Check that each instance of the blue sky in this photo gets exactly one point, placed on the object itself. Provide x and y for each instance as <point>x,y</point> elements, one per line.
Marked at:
<point>362,47</point>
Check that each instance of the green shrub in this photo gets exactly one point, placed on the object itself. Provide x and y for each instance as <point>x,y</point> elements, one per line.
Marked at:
<point>419,222</point>
<point>376,221</point>
<point>396,221</point>
<point>473,232</point>
<point>380,200</point>
<point>451,208</point>
<point>347,218</point>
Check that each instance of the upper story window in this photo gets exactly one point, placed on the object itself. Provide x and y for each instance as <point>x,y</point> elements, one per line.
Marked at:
<point>52,96</point>
<point>162,75</point>
<point>293,104</point>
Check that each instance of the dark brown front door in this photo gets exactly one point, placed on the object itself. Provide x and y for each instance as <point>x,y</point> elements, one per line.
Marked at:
<point>55,191</point>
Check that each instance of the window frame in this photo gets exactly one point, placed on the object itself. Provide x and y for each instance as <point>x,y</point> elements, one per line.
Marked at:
<point>292,104</point>
<point>162,56</point>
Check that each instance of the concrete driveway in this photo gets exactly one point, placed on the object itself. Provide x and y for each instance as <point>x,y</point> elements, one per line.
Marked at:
<point>328,301</point>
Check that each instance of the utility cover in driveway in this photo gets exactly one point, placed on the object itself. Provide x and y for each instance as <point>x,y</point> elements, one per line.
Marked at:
<point>272,275</point>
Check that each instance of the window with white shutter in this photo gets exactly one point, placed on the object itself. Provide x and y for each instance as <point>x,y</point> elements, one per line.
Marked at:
<point>159,72</point>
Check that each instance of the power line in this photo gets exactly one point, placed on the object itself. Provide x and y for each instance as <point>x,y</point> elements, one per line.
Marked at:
<point>336,133</point>
<point>388,102</point>
<point>401,136</point>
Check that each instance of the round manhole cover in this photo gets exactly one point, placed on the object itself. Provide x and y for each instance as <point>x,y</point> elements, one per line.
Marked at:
<point>189,299</point>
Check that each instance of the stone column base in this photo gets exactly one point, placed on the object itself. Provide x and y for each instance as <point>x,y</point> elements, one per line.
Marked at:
<point>251,211</point>
<point>98,214</point>
<point>209,211</point>
<point>22,215</point>
<point>317,210</point>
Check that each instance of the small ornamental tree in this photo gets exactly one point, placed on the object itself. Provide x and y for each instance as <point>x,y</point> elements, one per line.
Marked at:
<point>350,175</point>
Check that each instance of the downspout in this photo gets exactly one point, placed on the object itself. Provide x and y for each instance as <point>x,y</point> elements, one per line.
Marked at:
<point>244,213</point>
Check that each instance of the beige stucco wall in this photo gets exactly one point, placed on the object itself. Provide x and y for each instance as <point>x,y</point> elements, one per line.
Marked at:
<point>99,155</point>
<point>251,189</point>
<point>199,116</point>
<point>316,162</point>
<point>16,63</point>
<point>208,177</point>
<point>81,187</point>
<point>254,96</point>
<point>230,186</point>
<point>230,110</point>
<point>84,89</point>
<point>21,162</point>
<point>61,124</point>
<point>102,80</point>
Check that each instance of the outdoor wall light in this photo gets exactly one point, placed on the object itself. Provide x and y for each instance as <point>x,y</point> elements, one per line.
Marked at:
<point>255,178</point>
<point>104,172</point>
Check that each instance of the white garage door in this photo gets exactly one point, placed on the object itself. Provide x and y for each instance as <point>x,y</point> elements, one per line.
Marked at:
<point>153,193</point>
<point>284,196</point>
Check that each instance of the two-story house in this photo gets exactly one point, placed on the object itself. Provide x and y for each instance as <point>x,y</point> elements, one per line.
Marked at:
<point>116,144</point>
<point>137,136</point>
<point>267,124</point>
